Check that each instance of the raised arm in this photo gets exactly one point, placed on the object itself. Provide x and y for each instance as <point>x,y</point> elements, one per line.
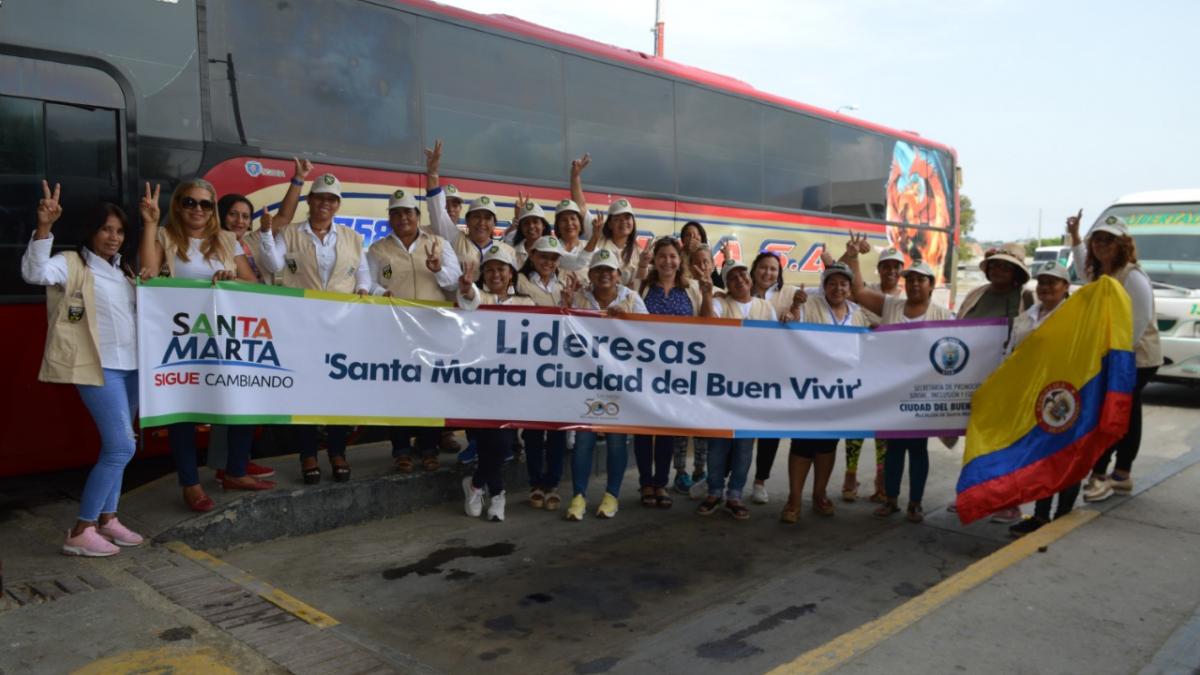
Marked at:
<point>291,199</point>
<point>577,167</point>
<point>867,297</point>
<point>435,197</point>
<point>150,252</point>
<point>1079,251</point>
<point>37,267</point>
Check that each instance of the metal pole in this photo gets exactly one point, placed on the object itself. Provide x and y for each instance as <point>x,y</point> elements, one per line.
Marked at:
<point>658,28</point>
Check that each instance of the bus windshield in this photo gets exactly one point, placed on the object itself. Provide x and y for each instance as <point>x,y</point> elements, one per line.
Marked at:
<point>1167,238</point>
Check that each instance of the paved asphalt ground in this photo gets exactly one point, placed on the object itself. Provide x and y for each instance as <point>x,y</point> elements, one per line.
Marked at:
<point>650,591</point>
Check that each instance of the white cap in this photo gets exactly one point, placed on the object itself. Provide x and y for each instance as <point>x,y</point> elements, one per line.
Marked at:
<point>837,268</point>
<point>620,206</point>
<point>920,267</point>
<point>549,244</point>
<point>531,210</point>
<point>452,192</point>
<point>890,254</point>
<point>1054,269</point>
<point>567,206</point>
<point>604,258</point>
<point>1114,225</point>
<point>483,203</point>
<point>498,252</point>
<point>730,267</point>
<point>326,184</point>
<point>402,199</point>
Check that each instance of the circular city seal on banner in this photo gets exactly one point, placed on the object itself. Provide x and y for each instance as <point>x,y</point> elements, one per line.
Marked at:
<point>949,355</point>
<point>1057,407</point>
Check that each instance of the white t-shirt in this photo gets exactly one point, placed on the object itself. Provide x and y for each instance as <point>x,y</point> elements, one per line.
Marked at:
<point>197,267</point>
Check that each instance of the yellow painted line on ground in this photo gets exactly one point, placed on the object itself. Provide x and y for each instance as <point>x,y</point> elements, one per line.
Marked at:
<point>162,660</point>
<point>275,596</point>
<point>848,646</point>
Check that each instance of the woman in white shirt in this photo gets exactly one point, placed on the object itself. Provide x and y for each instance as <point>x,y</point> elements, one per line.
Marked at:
<point>1053,284</point>
<point>831,307</point>
<point>192,245</point>
<point>91,342</point>
<point>607,295</point>
<point>1109,250</point>
<point>766,275</point>
<point>916,306</point>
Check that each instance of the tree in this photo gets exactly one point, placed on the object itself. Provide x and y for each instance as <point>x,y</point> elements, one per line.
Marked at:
<point>966,223</point>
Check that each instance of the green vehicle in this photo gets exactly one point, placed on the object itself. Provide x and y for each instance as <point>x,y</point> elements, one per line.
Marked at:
<point>1165,225</point>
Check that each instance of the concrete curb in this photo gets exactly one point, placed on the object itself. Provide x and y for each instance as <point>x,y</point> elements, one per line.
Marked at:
<point>262,516</point>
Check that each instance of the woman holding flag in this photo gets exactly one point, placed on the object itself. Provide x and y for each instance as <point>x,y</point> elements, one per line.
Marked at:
<point>916,306</point>
<point>1110,251</point>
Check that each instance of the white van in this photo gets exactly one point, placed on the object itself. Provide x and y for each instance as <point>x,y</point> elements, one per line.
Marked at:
<point>1044,255</point>
<point>1165,225</point>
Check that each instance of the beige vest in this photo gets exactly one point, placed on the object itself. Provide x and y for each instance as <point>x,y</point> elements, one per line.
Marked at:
<point>253,241</point>
<point>628,303</point>
<point>629,269</point>
<point>817,310</point>
<point>760,310</point>
<point>976,293</point>
<point>405,274</point>
<point>893,312</point>
<point>467,251</point>
<point>300,260</point>
<point>486,298</point>
<point>72,353</point>
<point>1148,350</point>
<point>230,248</point>
<point>540,297</point>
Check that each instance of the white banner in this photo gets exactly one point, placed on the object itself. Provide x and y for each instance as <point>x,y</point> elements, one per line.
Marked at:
<point>261,355</point>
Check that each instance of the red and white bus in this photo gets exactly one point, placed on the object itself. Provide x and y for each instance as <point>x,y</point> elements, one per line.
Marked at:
<point>163,90</point>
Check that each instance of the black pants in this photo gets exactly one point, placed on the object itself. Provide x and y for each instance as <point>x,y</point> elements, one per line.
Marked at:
<point>492,445</point>
<point>1126,449</point>
<point>653,454</point>
<point>1066,501</point>
<point>335,439</point>
<point>764,459</point>
<point>428,439</point>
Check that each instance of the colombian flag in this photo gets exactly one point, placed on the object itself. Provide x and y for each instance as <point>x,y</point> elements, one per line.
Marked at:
<point>1044,417</point>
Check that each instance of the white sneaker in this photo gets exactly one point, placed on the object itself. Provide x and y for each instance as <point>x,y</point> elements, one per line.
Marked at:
<point>1097,490</point>
<point>496,508</point>
<point>758,494</point>
<point>473,504</point>
<point>1007,516</point>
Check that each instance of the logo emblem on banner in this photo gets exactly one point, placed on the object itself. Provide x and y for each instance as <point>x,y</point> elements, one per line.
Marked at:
<point>949,355</point>
<point>598,408</point>
<point>1057,407</point>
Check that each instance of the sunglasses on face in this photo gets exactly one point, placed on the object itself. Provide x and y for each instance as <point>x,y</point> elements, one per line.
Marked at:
<point>205,205</point>
<point>1103,238</point>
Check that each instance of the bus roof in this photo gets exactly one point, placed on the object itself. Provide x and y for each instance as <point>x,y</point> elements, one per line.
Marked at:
<point>1189,196</point>
<point>643,61</point>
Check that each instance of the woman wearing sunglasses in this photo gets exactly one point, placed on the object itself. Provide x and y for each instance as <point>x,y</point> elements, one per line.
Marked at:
<point>192,245</point>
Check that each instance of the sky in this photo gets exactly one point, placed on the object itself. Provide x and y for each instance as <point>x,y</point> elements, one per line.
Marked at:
<point>1051,105</point>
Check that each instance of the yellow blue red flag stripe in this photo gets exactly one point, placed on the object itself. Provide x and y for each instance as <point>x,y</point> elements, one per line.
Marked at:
<point>1043,418</point>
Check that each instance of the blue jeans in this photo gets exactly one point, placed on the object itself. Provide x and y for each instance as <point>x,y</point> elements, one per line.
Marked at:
<point>917,450</point>
<point>222,437</point>
<point>112,405</point>
<point>581,461</point>
<point>732,455</point>
<point>544,452</point>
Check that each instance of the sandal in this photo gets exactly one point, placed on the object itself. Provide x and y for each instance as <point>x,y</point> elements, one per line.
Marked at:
<point>662,499</point>
<point>789,515</point>
<point>880,497</point>
<point>849,489</point>
<point>553,501</point>
<point>311,473</point>
<point>737,509</point>
<point>823,506</point>
<point>648,499</point>
<point>430,463</point>
<point>889,507</point>
<point>537,498</point>
<point>915,513</point>
<point>341,470</point>
<point>709,506</point>
<point>404,464</point>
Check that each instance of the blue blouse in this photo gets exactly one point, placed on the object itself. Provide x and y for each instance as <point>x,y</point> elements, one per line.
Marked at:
<point>675,303</point>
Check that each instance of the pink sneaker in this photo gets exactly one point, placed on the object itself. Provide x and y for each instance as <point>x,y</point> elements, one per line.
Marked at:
<point>89,544</point>
<point>1007,516</point>
<point>120,535</point>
